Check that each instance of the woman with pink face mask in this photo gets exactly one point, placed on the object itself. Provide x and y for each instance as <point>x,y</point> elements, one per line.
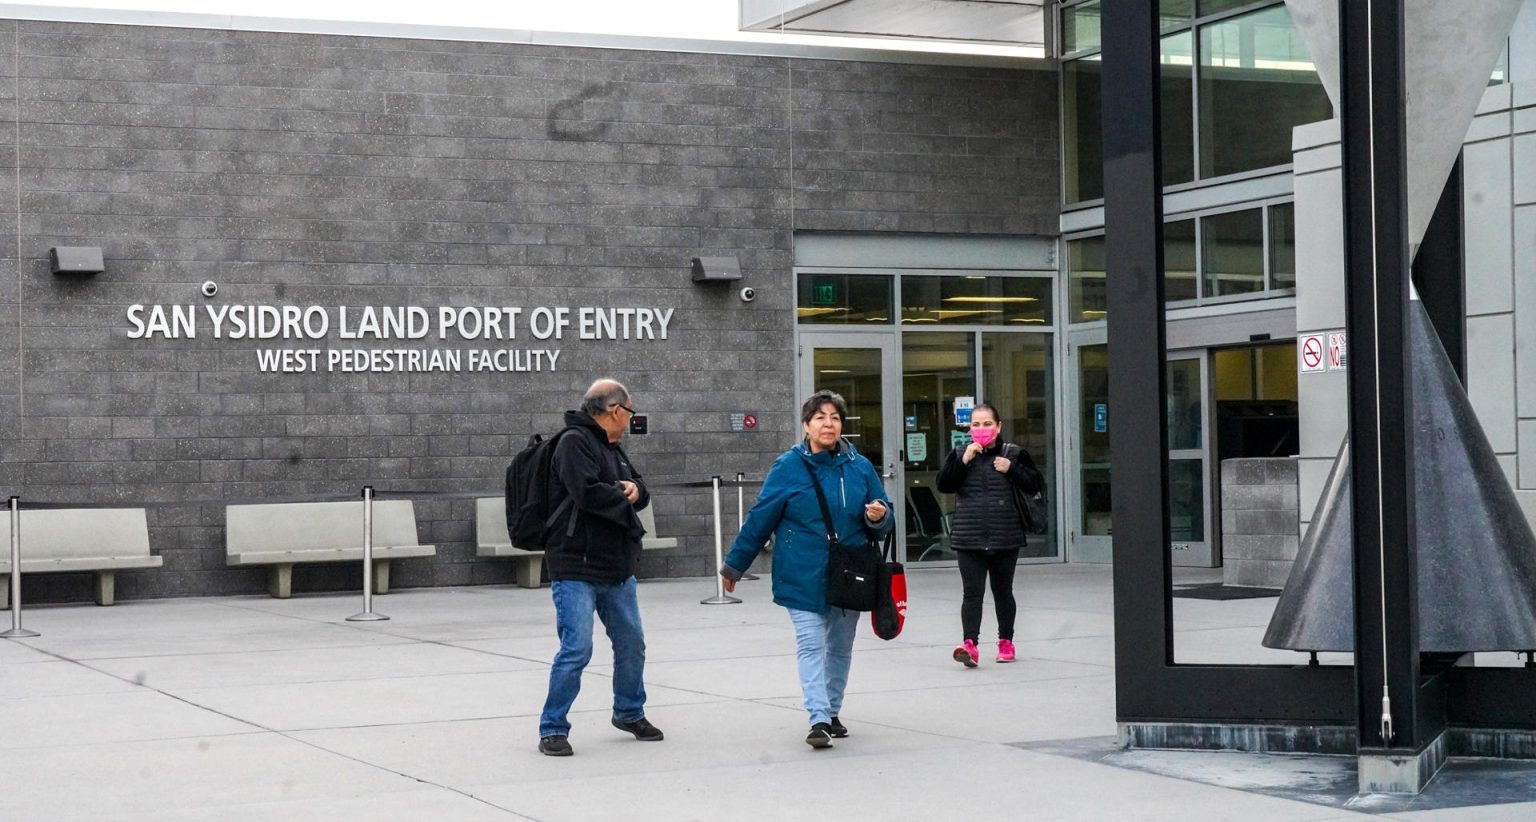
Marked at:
<point>987,530</point>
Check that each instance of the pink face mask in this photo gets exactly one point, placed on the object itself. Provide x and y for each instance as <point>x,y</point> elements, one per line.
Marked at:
<point>983,436</point>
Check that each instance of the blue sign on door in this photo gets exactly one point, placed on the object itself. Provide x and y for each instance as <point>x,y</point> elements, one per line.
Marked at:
<point>1100,417</point>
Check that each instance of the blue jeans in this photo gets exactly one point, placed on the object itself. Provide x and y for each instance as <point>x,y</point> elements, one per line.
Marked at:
<point>824,646</point>
<point>619,609</point>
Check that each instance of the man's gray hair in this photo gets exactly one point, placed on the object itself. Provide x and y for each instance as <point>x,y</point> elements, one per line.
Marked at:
<point>603,395</point>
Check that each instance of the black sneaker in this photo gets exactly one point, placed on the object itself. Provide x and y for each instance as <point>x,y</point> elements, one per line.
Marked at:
<point>555,746</point>
<point>820,736</point>
<point>642,729</point>
<point>838,729</point>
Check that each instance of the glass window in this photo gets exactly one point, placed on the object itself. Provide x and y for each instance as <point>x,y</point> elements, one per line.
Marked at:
<point>976,300</point>
<point>1186,407</point>
<point>1179,272</point>
<point>1257,82</point>
<point>1082,138</point>
<point>1093,443</point>
<point>1186,500</point>
<point>1262,372</point>
<point>1175,12</point>
<point>935,369</point>
<point>855,373</point>
<point>844,298</point>
<point>1080,27</point>
<point>1282,246</point>
<point>1232,252</point>
<point>1178,100</point>
<point>1209,7</point>
<point>1085,278</point>
<point>1501,68</point>
<point>1018,371</point>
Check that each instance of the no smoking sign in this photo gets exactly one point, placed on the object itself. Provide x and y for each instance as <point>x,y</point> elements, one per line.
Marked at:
<point>1311,353</point>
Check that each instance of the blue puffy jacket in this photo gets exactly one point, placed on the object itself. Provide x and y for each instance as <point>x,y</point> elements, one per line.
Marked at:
<point>786,508</point>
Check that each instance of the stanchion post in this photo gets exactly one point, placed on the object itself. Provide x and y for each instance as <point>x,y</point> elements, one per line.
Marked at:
<point>720,597</point>
<point>368,614</point>
<point>16,632</point>
<point>741,511</point>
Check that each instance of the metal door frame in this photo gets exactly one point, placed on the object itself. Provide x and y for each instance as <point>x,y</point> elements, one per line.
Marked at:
<point>1098,549</point>
<point>888,342</point>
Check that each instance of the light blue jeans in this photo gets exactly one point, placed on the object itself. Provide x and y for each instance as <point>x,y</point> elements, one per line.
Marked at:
<point>824,646</point>
<point>619,609</point>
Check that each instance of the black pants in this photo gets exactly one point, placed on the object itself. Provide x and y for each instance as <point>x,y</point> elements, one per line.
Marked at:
<point>975,567</point>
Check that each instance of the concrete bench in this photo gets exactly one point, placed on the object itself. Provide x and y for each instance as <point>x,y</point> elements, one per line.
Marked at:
<point>492,541</point>
<point>103,540</point>
<point>284,534</point>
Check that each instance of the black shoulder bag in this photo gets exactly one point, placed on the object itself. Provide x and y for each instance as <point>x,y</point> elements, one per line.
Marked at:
<point>1031,505</point>
<point>853,578</point>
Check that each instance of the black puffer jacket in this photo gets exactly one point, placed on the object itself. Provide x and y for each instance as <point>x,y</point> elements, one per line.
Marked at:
<point>986,516</point>
<point>603,544</point>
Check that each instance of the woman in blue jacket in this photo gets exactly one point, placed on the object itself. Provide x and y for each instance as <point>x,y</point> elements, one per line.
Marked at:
<point>787,508</point>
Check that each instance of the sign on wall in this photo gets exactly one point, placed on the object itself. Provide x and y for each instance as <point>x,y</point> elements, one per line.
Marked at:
<point>1338,351</point>
<point>917,447</point>
<point>404,324</point>
<point>1309,349</point>
<point>963,406</point>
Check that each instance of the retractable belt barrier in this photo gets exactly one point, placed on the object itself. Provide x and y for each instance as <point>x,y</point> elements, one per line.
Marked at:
<point>369,494</point>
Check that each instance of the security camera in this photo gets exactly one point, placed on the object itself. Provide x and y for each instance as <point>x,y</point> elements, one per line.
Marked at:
<point>748,294</point>
<point>209,288</point>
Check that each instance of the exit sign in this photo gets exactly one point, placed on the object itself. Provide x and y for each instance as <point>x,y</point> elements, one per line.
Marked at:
<point>824,294</point>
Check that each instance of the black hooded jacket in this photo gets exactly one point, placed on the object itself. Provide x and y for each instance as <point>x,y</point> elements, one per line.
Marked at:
<point>603,544</point>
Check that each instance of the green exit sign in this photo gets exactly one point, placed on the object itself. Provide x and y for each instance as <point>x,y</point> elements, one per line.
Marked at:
<point>824,294</point>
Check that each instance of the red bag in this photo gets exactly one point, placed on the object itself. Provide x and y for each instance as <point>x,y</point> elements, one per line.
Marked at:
<point>890,613</point>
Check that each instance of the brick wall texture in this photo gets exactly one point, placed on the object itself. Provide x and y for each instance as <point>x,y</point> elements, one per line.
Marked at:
<point>332,171</point>
<point>1259,523</point>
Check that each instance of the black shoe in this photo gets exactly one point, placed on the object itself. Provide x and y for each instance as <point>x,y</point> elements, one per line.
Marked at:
<point>838,729</point>
<point>555,746</point>
<point>820,736</point>
<point>642,729</point>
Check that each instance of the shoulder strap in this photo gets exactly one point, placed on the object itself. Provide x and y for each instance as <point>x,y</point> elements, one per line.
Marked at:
<point>821,499</point>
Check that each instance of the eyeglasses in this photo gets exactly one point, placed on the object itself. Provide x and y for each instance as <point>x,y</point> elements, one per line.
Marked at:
<point>626,408</point>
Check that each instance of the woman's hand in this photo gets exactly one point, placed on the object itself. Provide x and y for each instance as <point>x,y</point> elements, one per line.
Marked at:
<point>874,511</point>
<point>970,453</point>
<point>729,585</point>
<point>1002,464</point>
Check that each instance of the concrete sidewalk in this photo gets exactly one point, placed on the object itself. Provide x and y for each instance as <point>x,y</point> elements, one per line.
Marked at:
<point>253,708</point>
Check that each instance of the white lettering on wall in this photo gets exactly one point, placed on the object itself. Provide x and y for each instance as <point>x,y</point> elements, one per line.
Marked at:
<point>496,323</point>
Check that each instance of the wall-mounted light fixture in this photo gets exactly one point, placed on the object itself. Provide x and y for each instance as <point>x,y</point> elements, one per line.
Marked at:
<point>75,260</point>
<point>716,269</point>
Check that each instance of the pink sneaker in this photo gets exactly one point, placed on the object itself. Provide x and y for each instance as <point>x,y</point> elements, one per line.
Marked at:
<point>966,654</point>
<point>1005,650</point>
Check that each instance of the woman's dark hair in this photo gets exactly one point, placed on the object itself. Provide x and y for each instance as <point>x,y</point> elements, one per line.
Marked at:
<point>987,406</point>
<point>820,398</point>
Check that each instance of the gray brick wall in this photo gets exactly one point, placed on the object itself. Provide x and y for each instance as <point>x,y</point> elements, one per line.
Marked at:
<point>1259,524</point>
<point>330,170</point>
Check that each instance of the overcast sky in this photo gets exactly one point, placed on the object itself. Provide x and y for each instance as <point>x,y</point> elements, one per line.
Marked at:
<point>696,19</point>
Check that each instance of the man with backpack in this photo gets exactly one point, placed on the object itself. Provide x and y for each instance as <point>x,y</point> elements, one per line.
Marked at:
<point>591,544</point>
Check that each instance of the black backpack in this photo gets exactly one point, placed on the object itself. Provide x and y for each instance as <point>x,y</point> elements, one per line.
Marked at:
<point>529,479</point>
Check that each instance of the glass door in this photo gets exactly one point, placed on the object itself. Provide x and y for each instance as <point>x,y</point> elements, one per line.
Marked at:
<point>863,368</point>
<point>1089,529</point>
<point>1088,512</point>
<point>1188,502</point>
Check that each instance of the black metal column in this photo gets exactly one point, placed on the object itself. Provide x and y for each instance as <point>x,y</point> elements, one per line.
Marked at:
<point>1149,688</point>
<point>1439,273</point>
<point>1133,245</point>
<point>1390,716</point>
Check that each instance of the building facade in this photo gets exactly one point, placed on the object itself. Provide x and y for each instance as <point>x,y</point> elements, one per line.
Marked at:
<point>425,249</point>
